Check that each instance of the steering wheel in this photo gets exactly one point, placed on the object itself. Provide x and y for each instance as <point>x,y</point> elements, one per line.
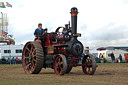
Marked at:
<point>58,29</point>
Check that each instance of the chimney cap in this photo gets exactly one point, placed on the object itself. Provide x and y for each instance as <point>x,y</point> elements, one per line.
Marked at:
<point>74,9</point>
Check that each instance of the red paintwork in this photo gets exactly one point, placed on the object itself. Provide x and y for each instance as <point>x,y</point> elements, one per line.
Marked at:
<point>102,48</point>
<point>60,48</point>
<point>74,61</point>
<point>59,66</point>
<point>61,37</point>
<point>63,51</point>
<point>37,40</point>
<point>47,43</point>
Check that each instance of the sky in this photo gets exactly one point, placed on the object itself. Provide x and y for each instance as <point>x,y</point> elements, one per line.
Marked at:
<point>101,22</point>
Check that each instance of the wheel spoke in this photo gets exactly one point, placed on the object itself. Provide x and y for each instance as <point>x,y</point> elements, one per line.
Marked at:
<point>56,64</point>
<point>33,65</point>
<point>58,69</point>
<point>88,70</point>
<point>29,50</point>
<point>61,63</point>
<point>59,60</point>
<point>28,65</point>
<point>34,52</point>
<point>25,57</point>
<point>89,64</point>
<point>61,69</point>
<point>34,60</point>
<point>32,47</point>
<point>34,56</point>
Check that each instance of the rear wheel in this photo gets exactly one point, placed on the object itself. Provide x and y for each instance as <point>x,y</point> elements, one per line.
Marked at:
<point>89,65</point>
<point>32,58</point>
<point>60,64</point>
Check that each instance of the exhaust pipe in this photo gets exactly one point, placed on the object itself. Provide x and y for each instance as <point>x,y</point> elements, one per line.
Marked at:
<point>74,12</point>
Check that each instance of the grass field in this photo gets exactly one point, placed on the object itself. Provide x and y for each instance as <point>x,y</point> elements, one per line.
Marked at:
<point>106,74</point>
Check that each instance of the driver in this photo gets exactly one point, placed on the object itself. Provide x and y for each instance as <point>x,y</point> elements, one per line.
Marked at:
<point>39,31</point>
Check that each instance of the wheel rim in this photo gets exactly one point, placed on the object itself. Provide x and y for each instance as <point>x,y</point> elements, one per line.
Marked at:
<point>88,65</point>
<point>60,65</point>
<point>32,57</point>
<point>29,58</point>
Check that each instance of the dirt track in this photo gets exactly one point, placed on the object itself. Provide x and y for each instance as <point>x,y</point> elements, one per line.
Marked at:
<point>106,74</point>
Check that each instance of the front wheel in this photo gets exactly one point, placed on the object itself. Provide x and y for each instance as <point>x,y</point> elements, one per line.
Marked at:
<point>60,64</point>
<point>89,64</point>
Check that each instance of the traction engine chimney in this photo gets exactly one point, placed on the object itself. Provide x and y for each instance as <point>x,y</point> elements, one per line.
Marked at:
<point>74,12</point>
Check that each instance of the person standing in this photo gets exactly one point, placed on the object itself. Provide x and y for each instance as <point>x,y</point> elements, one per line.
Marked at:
<point>112,57</point>
<point>104,60</point>
<point>45,30</point>
<point>9,60</point>
<point>13,61</point>
<point>100,57</point>
<point>3,60</point>
<point>120,58</point>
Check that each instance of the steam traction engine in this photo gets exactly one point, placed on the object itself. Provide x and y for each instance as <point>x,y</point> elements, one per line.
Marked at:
<point>58,50</point>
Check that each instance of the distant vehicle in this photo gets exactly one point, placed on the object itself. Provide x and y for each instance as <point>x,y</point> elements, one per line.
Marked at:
<point>10,51</point>
<point>116,54</point>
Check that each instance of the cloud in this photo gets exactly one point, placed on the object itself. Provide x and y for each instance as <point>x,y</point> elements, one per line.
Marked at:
<point>101,22</point>
<point>109,35</point>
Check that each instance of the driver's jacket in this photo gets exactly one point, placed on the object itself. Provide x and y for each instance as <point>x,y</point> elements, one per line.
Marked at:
<point>38,32</point>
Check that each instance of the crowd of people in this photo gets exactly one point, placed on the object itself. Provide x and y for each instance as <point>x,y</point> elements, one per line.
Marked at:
<point>113,60</point>
<point>13,60</point>
<point>102,58</point>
